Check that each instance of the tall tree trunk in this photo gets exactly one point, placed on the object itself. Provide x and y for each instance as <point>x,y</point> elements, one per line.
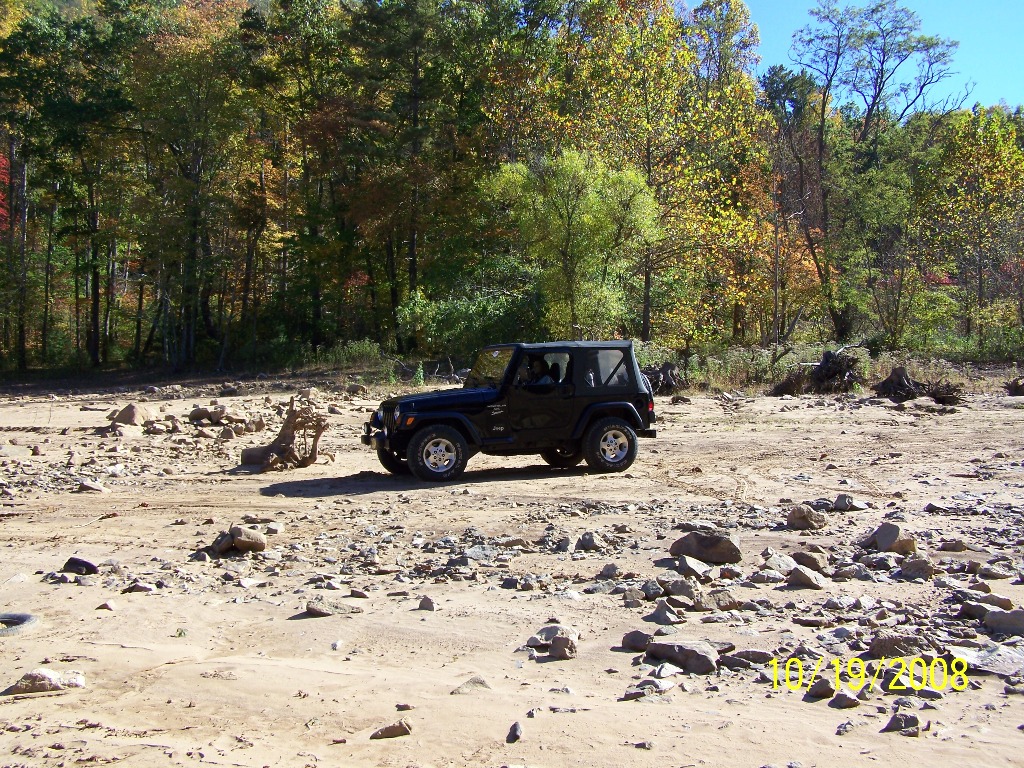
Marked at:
<point>139,305</point>
<point>22,300</point>
<point>648,266</point>
<point>389,262</point>
<point>93,338</point>
<point>47,280</point>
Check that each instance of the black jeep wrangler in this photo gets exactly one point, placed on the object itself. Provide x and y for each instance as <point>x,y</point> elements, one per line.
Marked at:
<point>567,401</point>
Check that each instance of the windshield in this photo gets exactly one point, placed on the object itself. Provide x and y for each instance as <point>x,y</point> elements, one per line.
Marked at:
<point>489,368</point>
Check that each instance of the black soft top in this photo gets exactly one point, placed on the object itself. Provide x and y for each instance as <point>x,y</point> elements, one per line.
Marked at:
<point>616,344</point>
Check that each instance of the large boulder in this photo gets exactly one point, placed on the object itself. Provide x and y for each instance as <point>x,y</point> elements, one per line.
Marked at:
<point>718,548</point>
<point>136,415</point>
<point>889,537</point>
<point>802,517</point>
<point>247,539</point>
<point>917,567</point>
<point>695,656</point>
<point>1005,622</point>
<point>802,577</point>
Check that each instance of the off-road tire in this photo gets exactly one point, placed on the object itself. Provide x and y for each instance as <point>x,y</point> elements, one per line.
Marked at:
<point>610,445</point>
<point>562,459</point>
<point>392,462</point>
<point>13,623</point>
<point>438,454</point>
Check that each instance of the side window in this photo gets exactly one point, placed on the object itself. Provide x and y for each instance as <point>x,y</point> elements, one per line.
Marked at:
<point>558,366</point>
<point>611,370</point>
<point>536,369</point>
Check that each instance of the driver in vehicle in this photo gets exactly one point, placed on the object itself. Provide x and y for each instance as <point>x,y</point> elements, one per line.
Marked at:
<point>539,372</point>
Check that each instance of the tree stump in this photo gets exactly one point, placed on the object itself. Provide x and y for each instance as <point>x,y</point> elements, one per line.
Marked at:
<point>1015,387</point>
<point>296,445</point>
<point>898,386</point>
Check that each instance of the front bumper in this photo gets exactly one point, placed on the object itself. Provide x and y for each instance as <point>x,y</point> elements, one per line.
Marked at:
<point>375,439</point>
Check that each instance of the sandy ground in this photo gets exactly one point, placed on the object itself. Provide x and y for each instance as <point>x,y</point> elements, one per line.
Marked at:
<point>221,664</point>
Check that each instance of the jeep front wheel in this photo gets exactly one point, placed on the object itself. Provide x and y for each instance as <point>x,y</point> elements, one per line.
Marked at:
<point>392,461</point>
<point>438,453</point>
<point>610,445</point>
<point>562,458</point>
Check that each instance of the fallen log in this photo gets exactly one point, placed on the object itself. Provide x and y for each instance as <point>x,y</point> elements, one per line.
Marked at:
<point>296,445</point>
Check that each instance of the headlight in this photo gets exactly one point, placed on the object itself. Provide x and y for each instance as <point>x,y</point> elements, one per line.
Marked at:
<point>380,415</point>
<point>398,412</point>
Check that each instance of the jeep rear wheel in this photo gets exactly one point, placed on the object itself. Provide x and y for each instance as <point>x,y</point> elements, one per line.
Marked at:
<point>610,445</point>
<point>392,462</point>
<point>562,458</point>
<point>438,453</point>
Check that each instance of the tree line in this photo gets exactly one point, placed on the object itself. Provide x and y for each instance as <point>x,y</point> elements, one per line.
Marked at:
<point>226,183</point>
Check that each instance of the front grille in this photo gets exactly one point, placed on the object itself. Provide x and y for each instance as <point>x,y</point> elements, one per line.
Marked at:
<point>389,421</point>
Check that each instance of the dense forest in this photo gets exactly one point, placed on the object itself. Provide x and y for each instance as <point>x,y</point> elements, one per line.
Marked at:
<point>229,183</point>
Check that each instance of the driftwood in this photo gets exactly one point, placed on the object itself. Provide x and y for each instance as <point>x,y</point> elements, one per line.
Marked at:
<point>1015,387</point>
<point>835,372</point>
<point>898,386</point>
<point>665,380</point>
<point>296,445</point>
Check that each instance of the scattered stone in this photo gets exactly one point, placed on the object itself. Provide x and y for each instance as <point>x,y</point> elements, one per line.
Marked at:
<point>697,657</point>
<point>140,586</point>
<point>708,547</point>
<point>816,561</point>
<point>1005,622</point>
<point>79,566</point>
<point>473,685</point>
<point>135,415</point>
<point>693,568</point>
<point>901,721</point>
<point>664,614</point>
<point>401,728</point>
<point>515,733</point>
<point>44,680</point>
<point>843,699</point>
<point>637,640</point>
<point>718,600</point>
<point>802,517</point>
<point>426,604</point>
<point>632,598</point>
<point>822,688</point>
<point>109,605</point>
<point>544,636</point>
<point>802,577</point>
<point>917,567</point>
<point>247,539</point>
<point>563,648</point>
<point>845,728</point>
<point>92,486</point>
<point>328,606</point>
<point>887,644</point>
<point>889,537</point>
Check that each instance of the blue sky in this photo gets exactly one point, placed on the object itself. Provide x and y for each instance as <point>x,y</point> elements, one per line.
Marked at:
<point>990,33</point>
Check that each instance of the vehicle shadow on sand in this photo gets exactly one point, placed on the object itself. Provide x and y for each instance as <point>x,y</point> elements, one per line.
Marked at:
<point>366,482</point>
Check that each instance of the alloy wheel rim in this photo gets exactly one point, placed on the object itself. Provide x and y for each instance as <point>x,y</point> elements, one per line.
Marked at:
<point>439,455</point>
<point>614,445</point>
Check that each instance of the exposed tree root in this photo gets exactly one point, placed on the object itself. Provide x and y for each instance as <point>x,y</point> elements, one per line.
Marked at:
<point>296,445</point>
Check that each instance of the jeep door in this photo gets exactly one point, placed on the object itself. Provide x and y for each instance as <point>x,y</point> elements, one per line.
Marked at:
<point>536,407</point>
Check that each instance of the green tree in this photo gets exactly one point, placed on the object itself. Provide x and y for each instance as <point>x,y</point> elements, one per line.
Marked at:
<point>578,221</point>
